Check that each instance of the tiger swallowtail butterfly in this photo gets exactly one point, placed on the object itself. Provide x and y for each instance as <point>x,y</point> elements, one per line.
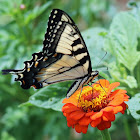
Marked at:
<point>64,57</point>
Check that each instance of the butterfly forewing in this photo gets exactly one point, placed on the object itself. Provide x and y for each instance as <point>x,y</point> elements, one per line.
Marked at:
<point>55,20</point>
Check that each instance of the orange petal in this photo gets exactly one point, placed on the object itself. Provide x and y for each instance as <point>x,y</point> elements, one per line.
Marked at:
<point>84,121</point>
<point>96,115</point>
<point>76,115</point>
<point>68,108</point>
<point>68,124</point>
<point>124,105</point>
<point>94,123</point>
<point>112,86</point>
<point>126,97</point>
<point>71,100</point>
<point>118,99</point>
<point>118,91</point>
<point>84,129</point>
<point>80,128</point>
<point>104,125</point>
<point>108,116</point>
<point>117,109</point>
<point>103,82</point>
<point>65,114</point>
<point>107,109</point>
<point>89,114</point>
<point>71,122</point>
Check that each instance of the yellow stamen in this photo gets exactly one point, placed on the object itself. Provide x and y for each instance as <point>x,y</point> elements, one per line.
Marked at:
<point>93,98</point>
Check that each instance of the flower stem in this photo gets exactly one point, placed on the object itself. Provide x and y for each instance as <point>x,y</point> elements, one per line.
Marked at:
<point>105,134</point>
<point>127,129</point>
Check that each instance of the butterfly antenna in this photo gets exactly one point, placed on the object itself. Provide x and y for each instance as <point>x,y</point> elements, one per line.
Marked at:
<point>104,68</point>
<point>101,60</point>
<point>101,77</point>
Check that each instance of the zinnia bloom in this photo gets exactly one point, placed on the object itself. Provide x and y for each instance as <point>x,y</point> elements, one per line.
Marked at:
<point>95,105</point>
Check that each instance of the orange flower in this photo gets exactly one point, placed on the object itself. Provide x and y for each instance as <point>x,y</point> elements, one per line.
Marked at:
<point>96,105</point>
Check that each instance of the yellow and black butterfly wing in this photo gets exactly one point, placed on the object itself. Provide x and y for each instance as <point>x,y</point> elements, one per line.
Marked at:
<point>64,56</point>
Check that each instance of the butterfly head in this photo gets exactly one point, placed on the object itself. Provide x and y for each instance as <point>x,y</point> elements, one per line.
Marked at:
<point>94,73</point>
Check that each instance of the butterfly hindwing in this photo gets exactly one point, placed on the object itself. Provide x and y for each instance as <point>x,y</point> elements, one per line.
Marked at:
<point>63,70</point>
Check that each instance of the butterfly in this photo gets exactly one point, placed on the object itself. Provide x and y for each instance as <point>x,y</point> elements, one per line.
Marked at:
<point>64,57</point>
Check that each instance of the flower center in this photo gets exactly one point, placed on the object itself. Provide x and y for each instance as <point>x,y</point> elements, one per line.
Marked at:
<point>93,98</point>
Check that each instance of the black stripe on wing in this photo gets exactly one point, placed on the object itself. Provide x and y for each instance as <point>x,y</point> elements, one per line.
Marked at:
<point>50,44</point>
<point>56,17</point>
<point>57,22</point>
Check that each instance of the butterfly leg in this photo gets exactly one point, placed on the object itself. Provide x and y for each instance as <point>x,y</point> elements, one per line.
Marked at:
<point>80,95</point>
<point>92,89</point>
<point>100,83</point>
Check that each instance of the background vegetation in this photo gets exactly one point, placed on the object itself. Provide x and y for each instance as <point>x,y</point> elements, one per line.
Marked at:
<point>106,25</point>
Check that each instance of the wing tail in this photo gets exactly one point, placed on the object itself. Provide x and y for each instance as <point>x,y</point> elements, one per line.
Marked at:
<point>9,71</point>
<point>24,78</point>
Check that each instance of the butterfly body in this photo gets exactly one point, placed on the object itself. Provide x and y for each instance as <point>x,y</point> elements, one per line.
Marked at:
<point>64,57</point>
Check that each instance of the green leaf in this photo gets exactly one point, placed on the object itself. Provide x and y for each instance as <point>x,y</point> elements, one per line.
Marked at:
<point>122,40</point>
<point>94,39</point>
<point>36,12</point>
<point>119,74</point>
<point>130,81</point>
<point>12,115</point>
<point>134,106</point>
<point>50,97</point>
<point>6,61</point>
<point>136,14</point>
<point>6,136</point>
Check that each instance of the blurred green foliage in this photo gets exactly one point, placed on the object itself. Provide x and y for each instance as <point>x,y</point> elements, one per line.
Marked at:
<point>36,114</point>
